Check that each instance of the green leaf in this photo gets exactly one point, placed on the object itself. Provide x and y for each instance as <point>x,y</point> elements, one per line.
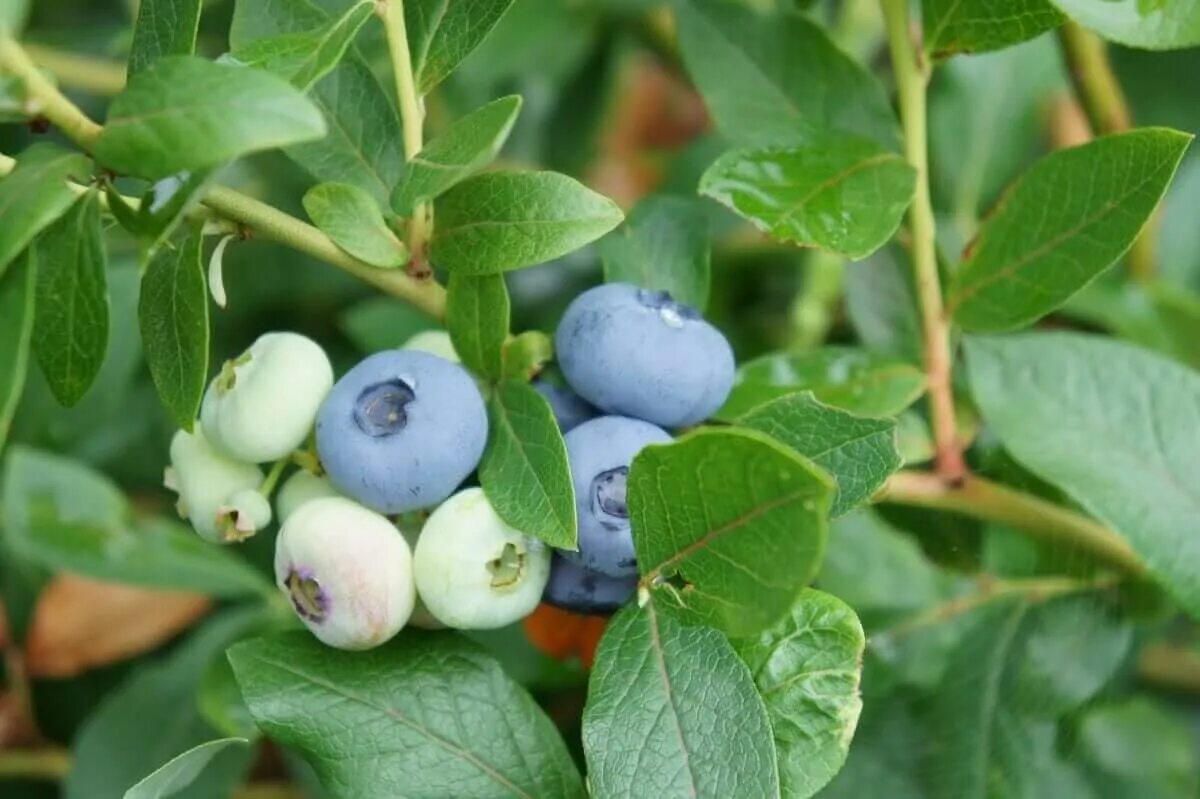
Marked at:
<point>728,525</point>
<point>477,318</point>
<point>152,717</point>
<point>71,327</point>
<point>1070,651</point>
<point>663,246</point>
<point>1137,747</point>
<point>352,218</point>
<point>173,316</point>
<point>1053,398</point>
<point>524,470</point>
<point>860,454</point>
<point>973,99</point>
<point>1149,24</point>
<point>17,310</point>
<point>876,568</point>
<point>442,33</point>
<point>156,553</point>
<point>426,715</point>
<point>185,113</point>
<point>36,193</point>
<point>65,516</point>
<point>500,221</point>
<point>757,72</point>
<point>882,305</point>
<point>970,722</point>
<point>364,142</point>
<point>807,669</point>
<point>304,58</point>
<point>1068,219</point>
<point>843,194</point>
<point>1152,313</point>
<point>163,28</point>
<point>455,154</point>
<point>975,26</point>
<point>863,383</point>
<point>181,771</point>
<point>254,19</point>
<point>672,711</point>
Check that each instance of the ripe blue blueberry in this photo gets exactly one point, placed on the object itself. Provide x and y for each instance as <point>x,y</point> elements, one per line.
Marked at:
<point>570,409</point>
<point>572,587</point>
<point>600,452</point>
<point>347,571</point>
<point>401,430</point>
<point>640,353</point>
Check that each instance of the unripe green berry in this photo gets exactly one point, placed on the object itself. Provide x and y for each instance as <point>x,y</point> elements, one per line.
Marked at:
<point>301,487</point>
<point>207,482</point>
<point>473,571</point>
<point>263,403</point>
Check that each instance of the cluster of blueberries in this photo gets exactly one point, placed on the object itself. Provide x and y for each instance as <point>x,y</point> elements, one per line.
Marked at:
<point>358,553</point>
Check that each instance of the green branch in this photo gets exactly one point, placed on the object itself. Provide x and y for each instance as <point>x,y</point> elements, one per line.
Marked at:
<point>413,118</point>
<point>86,73</point>
<point>255,216</point>
<point>992,502</point>
<point>912,78</point>
<point>43,97</point>
<point>37,764</point>
<point>1170,667</point>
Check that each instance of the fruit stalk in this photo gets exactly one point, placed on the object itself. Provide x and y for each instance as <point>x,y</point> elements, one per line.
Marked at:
<point>912,78</point>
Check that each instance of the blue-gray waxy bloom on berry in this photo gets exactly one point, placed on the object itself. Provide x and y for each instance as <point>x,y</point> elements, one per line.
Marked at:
<point>600,452</point>
<point>640,353</point>
<point>572,587</point>
<point>401,430</point>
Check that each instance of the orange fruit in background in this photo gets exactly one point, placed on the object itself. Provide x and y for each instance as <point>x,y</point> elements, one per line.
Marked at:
<point>563,635</point>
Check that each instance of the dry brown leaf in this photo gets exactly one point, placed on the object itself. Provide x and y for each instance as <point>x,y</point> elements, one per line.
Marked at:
<point>658,113</point>
<point>79,624</point>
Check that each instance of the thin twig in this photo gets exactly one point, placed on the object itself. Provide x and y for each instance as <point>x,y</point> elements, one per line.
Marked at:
<point>912,78</point>
<point>264,220</point>
<point>983,499</point>
<point>413,117</point>
<point>86,73</point>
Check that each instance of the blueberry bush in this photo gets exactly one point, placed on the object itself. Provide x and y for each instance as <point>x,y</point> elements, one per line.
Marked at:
<point>611,398</point>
